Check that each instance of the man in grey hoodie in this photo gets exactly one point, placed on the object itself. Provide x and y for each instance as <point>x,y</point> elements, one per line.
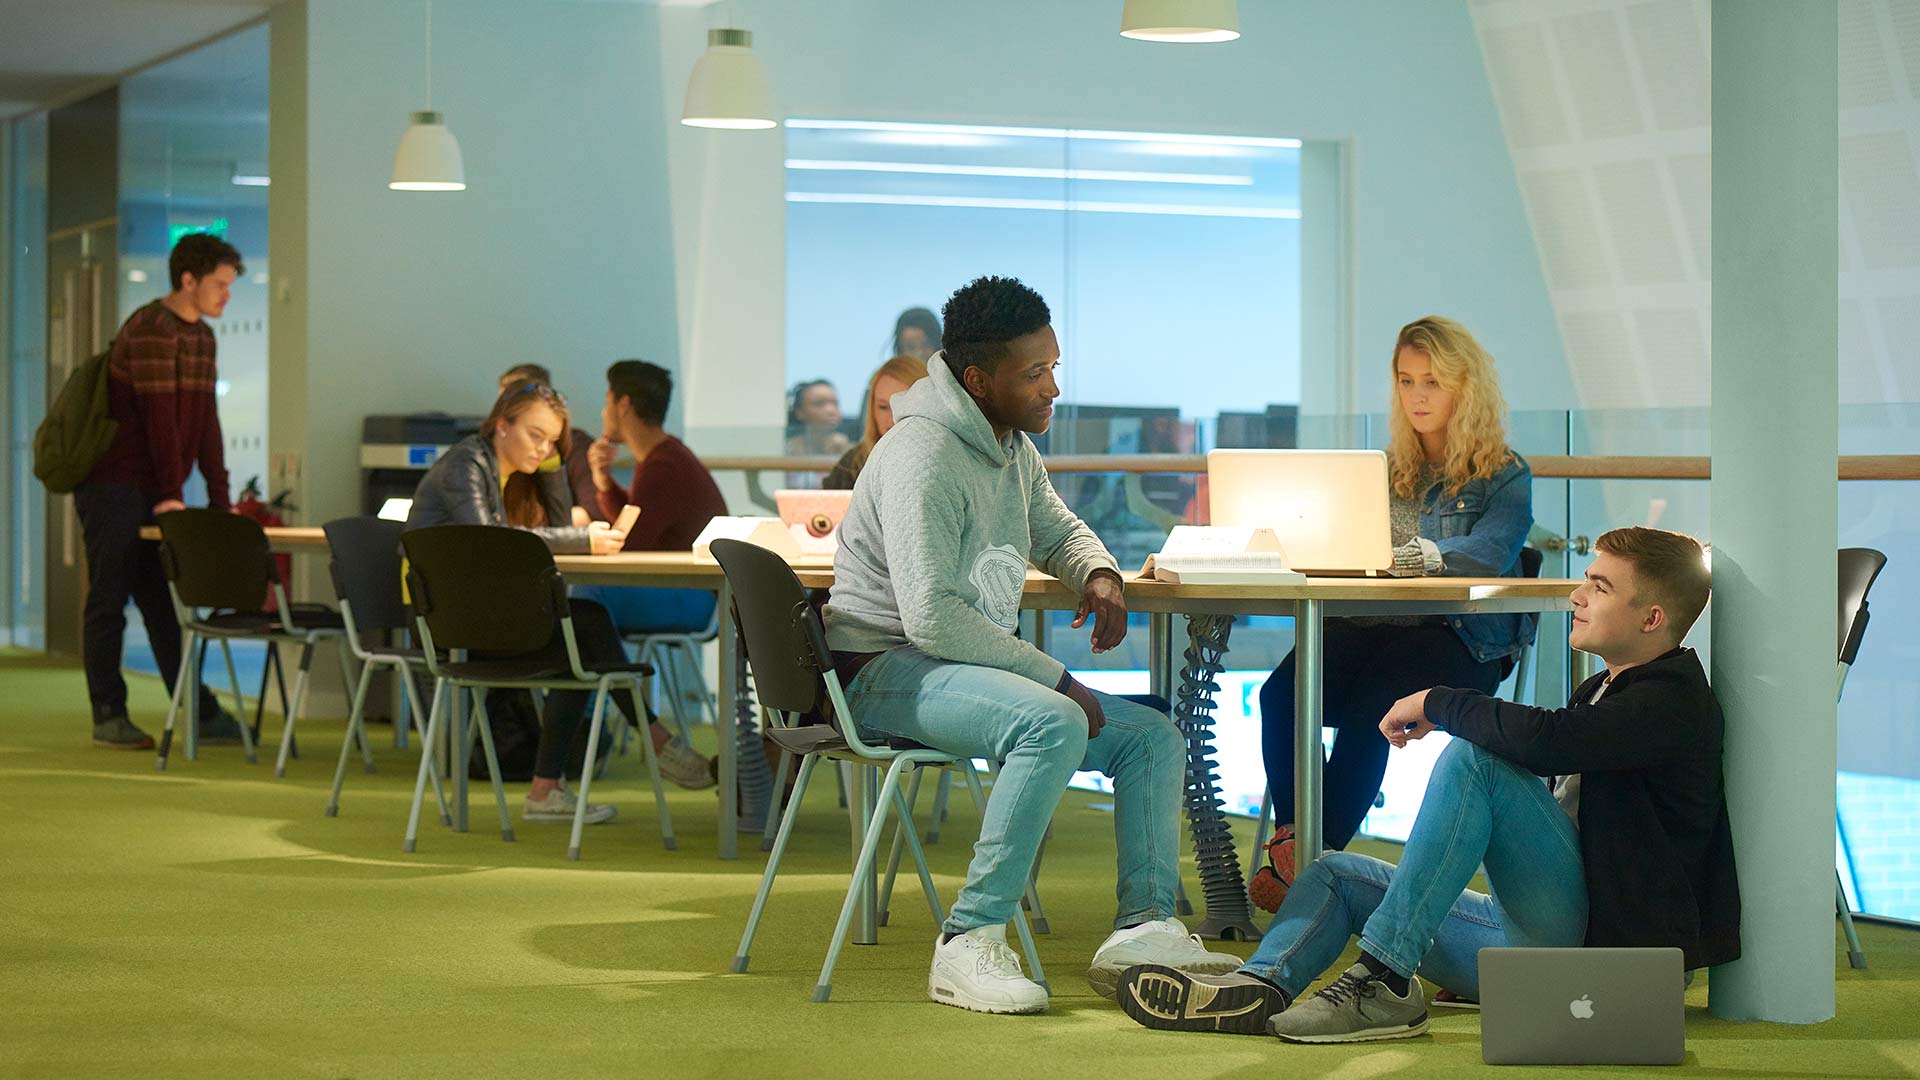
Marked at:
<point>950,510</point>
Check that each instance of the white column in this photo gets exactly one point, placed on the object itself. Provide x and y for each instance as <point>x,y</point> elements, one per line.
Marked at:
<point>1775,431</point>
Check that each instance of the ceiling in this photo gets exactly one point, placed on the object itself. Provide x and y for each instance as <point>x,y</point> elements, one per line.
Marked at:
<point>53,49</point>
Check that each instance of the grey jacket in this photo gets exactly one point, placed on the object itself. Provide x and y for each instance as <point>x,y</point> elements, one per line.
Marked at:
<point>463,488</point>
<point>945,519</point>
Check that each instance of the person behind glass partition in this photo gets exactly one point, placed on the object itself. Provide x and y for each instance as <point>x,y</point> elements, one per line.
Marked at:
<point>813,427</point>
<point>892,377</point>
<point>916,333</point>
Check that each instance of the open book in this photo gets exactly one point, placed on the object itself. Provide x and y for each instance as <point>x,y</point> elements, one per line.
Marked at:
<point>1213,555</point>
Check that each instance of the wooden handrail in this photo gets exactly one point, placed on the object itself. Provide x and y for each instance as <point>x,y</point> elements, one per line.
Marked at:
<point>1545,466</point>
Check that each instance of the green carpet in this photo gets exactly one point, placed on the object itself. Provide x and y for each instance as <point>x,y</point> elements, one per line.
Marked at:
<point>209,922</point>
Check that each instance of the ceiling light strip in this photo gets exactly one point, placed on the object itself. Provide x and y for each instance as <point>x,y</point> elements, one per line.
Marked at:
<point>1118,175</point>
<point>1077,205</point>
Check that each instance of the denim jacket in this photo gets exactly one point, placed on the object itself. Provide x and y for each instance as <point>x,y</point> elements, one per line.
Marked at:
<point>1480,530</point>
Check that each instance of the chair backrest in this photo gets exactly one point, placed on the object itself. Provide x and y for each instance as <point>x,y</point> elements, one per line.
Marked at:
<point>781,634</point>
<point>484,588</point>
<point>1858,569</point>
<point>214,559</point>
<point>365,564</point>
<point>1531,559</point>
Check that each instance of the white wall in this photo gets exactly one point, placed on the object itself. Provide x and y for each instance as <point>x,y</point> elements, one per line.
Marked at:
<point>1439,225</point>
<point>558,252</point>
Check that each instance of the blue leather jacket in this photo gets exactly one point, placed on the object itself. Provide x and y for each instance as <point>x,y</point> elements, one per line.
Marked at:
<point>1480,530</point>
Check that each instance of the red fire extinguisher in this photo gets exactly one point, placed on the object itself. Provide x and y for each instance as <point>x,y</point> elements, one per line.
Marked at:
<point>267,514</point>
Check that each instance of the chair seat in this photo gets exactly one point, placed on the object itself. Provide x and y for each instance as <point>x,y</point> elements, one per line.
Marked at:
<point>305,617</point>
<point>825,739</point>
<point>535,669</point>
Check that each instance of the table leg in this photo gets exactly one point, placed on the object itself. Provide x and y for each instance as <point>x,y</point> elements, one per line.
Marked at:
<point>1307,759</point>
<point>1160,655</point>
<point>861,800</point>
<point>1227,916</point>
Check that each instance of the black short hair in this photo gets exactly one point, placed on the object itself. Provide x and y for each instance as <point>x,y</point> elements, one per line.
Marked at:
<point>648,386</point>
<point>201,254</point>
<point>983,316</point>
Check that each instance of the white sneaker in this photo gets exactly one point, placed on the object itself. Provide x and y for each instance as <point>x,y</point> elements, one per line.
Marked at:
<point>1164,942</point>
<point>683,765</point>
<point>558,807</point>
<point>978,970</point>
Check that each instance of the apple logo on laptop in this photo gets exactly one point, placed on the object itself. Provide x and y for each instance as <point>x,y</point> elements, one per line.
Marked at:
<point>1582,1009</point>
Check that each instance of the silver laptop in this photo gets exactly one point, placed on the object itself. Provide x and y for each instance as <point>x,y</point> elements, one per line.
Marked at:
<point>1582,1007</point>
<point>1328,507</point>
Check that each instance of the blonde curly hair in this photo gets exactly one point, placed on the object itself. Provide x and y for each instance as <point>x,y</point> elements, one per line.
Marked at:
<point>1477,431</point>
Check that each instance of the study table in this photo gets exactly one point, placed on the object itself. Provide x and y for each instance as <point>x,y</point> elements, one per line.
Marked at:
<point>1209,610</point>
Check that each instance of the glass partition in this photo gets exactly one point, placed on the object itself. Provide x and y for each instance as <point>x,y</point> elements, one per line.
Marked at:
<point>26,373</point>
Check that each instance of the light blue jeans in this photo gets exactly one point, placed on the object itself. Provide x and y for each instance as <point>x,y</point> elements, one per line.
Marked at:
<point>1040,738</point>
<point>1420,915</point>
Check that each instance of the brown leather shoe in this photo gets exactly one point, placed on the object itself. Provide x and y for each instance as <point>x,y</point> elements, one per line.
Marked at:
<point>1268,888</point>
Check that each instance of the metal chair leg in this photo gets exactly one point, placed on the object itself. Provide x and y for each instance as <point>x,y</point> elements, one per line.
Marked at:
<point>779,785</point>
<point>419,717</point>
<point>239,704</point>
<point>1855,958</point>
<point>652,758</point>
<point>493,766</point>
<point>299,706</point>
<point>429,744</point>
<point>1261,826</point>
<point>346,743</point>
<point>346,680</point>
<point>177,705</point>
<point>900,828</point>
<point>586,771</point>
<point>939,816</point>
<point>741,956</point>
<point>862,867</point>
<point>903,806</point>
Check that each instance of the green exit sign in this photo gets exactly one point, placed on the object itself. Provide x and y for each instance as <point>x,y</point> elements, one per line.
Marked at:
<point>216,227</point>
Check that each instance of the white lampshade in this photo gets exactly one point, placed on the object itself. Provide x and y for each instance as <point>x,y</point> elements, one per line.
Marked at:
<point>1180,20</point>
<point>428,158</point>
<point>728,88</point>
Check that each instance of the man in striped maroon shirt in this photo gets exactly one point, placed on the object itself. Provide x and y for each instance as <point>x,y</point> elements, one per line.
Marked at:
<point>160,383</point>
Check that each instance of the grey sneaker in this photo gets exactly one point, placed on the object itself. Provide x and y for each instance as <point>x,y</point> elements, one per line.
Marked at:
<point>558,806</point>
<point>118,733</point>
<point>1356,1008</point>
<point>1168,999</point>
<point>683,765</point>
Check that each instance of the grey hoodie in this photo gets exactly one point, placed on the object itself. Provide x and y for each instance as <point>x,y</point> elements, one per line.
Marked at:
<point>934,550</point>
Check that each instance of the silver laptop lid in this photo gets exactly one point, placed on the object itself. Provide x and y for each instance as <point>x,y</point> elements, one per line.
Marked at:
<point>1582,1007</point>
<point>1328,507</point>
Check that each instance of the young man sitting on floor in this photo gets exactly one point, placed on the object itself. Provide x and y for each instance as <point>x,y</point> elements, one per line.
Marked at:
<point>950,509</point>
<point>1626,844</point>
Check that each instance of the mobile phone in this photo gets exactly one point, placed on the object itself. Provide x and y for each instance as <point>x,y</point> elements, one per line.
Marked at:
<point>628,515</point>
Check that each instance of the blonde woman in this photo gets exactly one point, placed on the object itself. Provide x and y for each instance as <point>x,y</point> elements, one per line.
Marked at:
<point>1462,504</point>
<point>893,376</point>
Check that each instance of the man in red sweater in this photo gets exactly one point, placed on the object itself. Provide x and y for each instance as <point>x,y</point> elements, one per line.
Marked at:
<point>160,383</point>
<point>677,497</point>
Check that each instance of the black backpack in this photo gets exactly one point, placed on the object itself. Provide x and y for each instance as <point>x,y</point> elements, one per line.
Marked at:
<point>78,429</point>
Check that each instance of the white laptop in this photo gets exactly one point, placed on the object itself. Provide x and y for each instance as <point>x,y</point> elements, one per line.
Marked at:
<point>813,516</point>
<point>1328,507</point>
<point>1582,1007</point>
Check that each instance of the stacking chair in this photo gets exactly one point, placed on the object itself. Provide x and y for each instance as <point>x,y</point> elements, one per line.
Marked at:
<point>365,565</point>
<point>1858,569</point>
<point>674,654</point>
<point>221,563</point>
<point>793,673</point>
<point>494,593</point>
